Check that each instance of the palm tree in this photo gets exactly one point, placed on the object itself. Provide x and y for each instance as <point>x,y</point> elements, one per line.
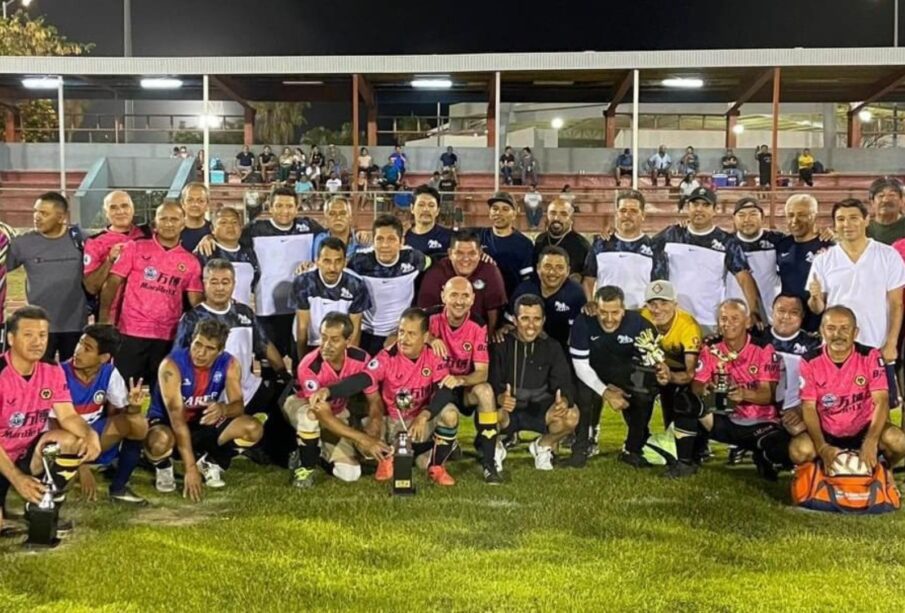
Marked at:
<point>276,123</point>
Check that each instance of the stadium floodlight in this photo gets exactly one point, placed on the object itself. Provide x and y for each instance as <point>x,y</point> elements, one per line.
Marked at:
<point>161,83</point>
<point>211,121</point>
<point>41,82</point>
<point>865,115</point>
<point>683,82</point>
<point>738,128</point>
<point>432,83</point>
<point>557,123</point>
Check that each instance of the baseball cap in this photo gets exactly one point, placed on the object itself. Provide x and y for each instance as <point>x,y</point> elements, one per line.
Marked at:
<point>660,290</point>
<point>702,193</point>
<point>504,197</point>
<point>747,203</point>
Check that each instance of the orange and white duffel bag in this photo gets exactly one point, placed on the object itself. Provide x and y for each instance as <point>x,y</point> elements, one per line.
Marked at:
<point>849,487</point>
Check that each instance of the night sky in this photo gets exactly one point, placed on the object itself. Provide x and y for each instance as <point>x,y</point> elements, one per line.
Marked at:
<point>294,27</point>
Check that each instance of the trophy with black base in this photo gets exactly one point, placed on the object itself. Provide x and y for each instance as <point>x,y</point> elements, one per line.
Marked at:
<point>721,381</point>
<point>403,451</point>
<point>42,518</point>
<point>644,371</point>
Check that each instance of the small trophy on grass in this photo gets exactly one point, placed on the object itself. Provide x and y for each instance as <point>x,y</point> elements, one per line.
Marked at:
<point>403,452</point>
<point>42,518</point>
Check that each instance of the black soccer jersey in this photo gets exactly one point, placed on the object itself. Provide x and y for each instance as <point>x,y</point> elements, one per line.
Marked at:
<point>612,355</point>
<point>349,295</point>
<point>391,287</point>
<point>245,263</point>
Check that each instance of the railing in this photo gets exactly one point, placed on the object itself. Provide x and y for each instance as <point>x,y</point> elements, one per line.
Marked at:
<point>113,127</point>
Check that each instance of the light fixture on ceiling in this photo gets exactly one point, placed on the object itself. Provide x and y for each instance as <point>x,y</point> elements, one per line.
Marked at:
<point>303,82</point>
<point>161,83</point>
<point>431,82</point>
<point>738,128</point>
<point>41,82</point>
<point>557,123</point>
<point>683,82</point>
<point>211,121</point>
<point>865,115</point>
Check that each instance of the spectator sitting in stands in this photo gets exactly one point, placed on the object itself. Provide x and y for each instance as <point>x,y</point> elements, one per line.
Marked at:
<point>366,162</point>
<point>268,164</point>
<point>334,183</point>
<point>764,165</point>
<point>624,164</point>
<point>729,166</point>
<point>285,164</point>
<point>175,153</point>
<point>317,159</point>
<point>660,164</point>
<point>449,161</point>
<point>245,163</point>
<point>534,212</point>
<point>398,159</point>
<point>184,152</point>
<point>529,167</point>
<point>303,188</point>
<point>314,174</point>
<point>689,163</point>
<point>390,176</point>
<point>688,184</point>
<point>339,161</point>
<point>507,165</point>
<point>435,180</point>
<point>806,167</point>
<point>333,169</point>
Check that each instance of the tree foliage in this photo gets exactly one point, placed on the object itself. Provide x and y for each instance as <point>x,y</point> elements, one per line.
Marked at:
<point>22,35</point>
<point>278,123</point>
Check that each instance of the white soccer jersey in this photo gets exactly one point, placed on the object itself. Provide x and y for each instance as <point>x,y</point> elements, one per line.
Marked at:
<point>624,263</point>
<point>761,253</point>
<point>391,287</point>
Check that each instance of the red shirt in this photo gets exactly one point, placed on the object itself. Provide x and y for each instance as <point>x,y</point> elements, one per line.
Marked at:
<point>489,290</point>
<point>314,372</point>
<point>400,377</point>
<point>465,345</point>
<point>842,392</point>
<point>155,280</point>
<point>26,405</point>
<point>755,363</point>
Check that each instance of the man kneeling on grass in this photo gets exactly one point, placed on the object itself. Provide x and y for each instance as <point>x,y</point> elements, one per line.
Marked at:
<point>186,412</point>
<point>531,377</point>
<point>327,378</point>
<point>845,398</point>
<point>751,420</point>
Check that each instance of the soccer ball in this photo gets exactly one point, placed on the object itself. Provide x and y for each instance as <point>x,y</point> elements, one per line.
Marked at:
<point>848,463</point>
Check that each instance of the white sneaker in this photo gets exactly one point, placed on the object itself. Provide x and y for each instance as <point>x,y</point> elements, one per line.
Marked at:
<point>499,454</point>
<point>212,473</point>
<point>543,456</point>
<point>165,480</point>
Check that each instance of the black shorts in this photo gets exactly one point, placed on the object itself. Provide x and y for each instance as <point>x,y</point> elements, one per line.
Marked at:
<point>23,464</point>
<point>625,171</point>
<point>745,436</point>
<point>852,442</point>
<point>530,419</point>
<point>371,343</point>
<point>459,401</point>
<point>141,357</point>
<point>202,436</point>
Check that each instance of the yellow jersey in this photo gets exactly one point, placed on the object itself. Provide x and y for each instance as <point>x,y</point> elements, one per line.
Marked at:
<point>684,336</point>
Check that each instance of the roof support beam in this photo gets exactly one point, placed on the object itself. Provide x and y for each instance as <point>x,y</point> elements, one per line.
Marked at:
<point>228,87</point>
<point>746,95</point>
<point>879,89</point>
<point>621,90</point>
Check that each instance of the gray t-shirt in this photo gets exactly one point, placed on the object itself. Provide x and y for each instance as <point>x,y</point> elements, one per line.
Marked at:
<point>54,271</point>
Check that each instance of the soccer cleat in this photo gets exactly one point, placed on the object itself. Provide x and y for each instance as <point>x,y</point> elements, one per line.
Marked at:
<point>578,459</point>
<point>303,478</point>
<point>510,440</point>
<point>295,459</point>
<point>127,496</point>
<point>765,467</point>
<point>680,470</point>
<point>499,454</point>
<point>213,474</point>
<point>492,476</point>
<point>384,470</point>
<point>543,456</point>
<point>165,479</point>
<point>635,460</point>
<point>737,455</point>
<point>439,476</point>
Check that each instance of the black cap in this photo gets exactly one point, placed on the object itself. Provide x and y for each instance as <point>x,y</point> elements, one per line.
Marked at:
<point>504,197</point>
<point>702,193</point>
<point>747,203</point>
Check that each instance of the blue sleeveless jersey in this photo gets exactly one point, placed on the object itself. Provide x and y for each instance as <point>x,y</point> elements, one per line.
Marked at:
<point>200,388</point>
<point>90,401</point>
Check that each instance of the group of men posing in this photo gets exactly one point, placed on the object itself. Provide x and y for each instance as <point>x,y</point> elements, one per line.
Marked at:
<point>430,324</point>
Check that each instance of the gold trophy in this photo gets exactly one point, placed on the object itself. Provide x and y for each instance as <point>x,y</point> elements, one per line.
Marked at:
<point>721,379</point>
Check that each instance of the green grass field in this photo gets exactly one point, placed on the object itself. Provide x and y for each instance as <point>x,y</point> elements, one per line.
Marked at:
<point>606,538</point>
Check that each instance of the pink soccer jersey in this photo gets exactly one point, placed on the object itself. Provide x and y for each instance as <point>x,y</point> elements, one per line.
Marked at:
<point>403,379</point>
<point>98,247</point>
<point>314,372</point>
<point>842,393</point>
<point>755,363</point>
<point>26,405</point>
<point>155,280</point>
<point>465,345</point>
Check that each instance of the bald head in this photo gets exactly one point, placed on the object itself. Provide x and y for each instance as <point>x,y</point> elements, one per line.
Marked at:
<point>119,210</point>
<point>458,298</point>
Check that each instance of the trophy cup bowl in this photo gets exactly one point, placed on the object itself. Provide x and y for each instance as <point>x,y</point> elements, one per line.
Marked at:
<point>42,518</point>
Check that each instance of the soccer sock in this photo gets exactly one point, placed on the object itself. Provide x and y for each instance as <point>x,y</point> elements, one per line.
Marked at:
<point>129,452</point>
<point>309,448</point>
<point>488,433</point>
<point>686,434</point>
<point>775,447</point>
<point>444,439</point>
<point>63,469</point>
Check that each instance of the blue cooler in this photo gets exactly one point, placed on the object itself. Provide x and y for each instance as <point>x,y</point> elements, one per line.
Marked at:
<point>218,176</point>
<point>720,180</point>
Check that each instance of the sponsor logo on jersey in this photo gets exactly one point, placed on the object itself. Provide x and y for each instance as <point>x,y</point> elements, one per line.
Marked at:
<point>829,400</point>
<point>765,244</point>
<point>478,284</point>
<point>99,397</point>
<point>345,293</point>
<point>302,227</point>
<point>373,364</point>
<point>809,258</point>
<point>799,349</point>
<point>17,420</point>
<point>406,267</point>
<point>218,377</point>
<point>86,259</point>
<point>753,369</point>
<point>46,393</point>
<point>860,380</point>
<point>311,385</point>
<point>716,245</point>
<point>560,307</point>
<point>594,338</point>
<point>243,319</point>
<point>186,381</point>
<point>150,273</point>
<point>425,372</point>
<point>467,347</point>
<point>181,267</point>
<point>434,244</point>
<point>645,250</point>
<point>622,339</point>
